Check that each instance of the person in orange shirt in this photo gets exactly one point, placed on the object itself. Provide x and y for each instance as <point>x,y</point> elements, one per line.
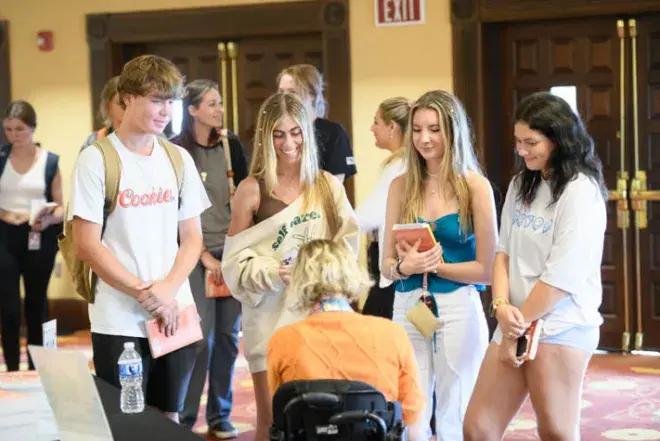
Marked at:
<point>334,342</point>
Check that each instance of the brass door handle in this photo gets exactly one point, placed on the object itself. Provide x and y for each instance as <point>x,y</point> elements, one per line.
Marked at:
<point>638,187</point>
<point>232,51</point>
<point>621,193</point>
<point>222,58</point>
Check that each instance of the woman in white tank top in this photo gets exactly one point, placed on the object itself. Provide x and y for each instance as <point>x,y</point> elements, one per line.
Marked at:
<point>30,219</point>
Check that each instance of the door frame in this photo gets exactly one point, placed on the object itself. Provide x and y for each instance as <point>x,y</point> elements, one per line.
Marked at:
<point>329,18</point>
<point>477,29</point>
<point>5,72</point>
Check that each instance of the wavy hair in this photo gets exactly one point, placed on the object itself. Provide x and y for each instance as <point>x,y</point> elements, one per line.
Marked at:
<point>458,159</point>
<point>323,268</point>
<point>263,166</point>
<point>574,150</point>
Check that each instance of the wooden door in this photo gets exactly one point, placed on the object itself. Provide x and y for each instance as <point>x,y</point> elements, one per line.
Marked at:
<point>195,59</point>
<point>245,69</point>
<point>646,126</point>
<point>258,62</point>
<point>584,55</point>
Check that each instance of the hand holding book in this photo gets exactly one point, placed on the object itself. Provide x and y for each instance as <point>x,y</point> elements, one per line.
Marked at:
<point>419,262</point>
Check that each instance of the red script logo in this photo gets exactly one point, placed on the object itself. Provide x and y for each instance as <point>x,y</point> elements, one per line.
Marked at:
<point>129,198</point>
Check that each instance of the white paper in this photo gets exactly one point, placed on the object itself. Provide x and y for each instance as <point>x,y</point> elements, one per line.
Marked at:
<point>72,394</point>
<point>36,205</point>
<point>49,331</point>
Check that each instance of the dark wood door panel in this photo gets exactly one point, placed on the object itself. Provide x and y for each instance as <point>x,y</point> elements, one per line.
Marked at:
<point>584,54</point>
<point>259,62</point>
<point>648,99</point>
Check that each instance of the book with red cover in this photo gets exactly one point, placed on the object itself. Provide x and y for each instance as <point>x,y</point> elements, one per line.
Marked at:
<point>189,332</point>
<point>215,290</point>
<point>411,233</point>
<point>528,343</point>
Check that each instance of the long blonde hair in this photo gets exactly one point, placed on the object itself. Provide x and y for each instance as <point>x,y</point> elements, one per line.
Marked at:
<point>397,110</point>
<point>458,158</point>
<point>263,166</point>
<point>322,268</point>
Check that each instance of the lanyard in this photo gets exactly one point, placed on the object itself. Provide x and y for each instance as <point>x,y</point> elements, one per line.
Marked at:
<point>334,304</point>
<point>429,300</point>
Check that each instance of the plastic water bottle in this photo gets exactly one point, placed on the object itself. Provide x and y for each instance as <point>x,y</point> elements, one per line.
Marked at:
<point>130,377</point>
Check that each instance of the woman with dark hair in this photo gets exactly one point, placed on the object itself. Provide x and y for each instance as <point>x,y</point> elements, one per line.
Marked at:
<point>547,267</point>
<point>29,178</point>
<point>203,136</point>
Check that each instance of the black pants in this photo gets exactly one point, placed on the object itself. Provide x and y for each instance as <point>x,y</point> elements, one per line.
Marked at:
<point>36,268</point>
<point>216,354</point>
<point>380,301</point>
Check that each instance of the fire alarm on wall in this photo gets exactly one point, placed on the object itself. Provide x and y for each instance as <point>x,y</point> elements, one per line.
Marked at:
<point>45,41</point>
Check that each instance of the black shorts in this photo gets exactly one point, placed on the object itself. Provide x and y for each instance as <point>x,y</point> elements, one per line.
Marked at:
<point>164,380</point>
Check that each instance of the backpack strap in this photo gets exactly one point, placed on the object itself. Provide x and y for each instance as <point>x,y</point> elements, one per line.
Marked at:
<point>230,171</point>
<point>176,159</point>
<point>52,161</point>
<point>5,150</point>
<point>112,166</point>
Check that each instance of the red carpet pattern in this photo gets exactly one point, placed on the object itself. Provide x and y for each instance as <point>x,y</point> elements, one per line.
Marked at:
<point>621,399</point>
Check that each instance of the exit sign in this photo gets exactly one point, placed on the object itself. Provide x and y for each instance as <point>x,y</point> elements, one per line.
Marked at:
<point>399,12</point>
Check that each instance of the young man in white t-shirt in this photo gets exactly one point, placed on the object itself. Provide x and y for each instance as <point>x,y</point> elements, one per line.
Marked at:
<point>150,244</point>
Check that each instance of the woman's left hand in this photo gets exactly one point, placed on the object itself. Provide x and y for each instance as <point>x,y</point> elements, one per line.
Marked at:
<point>42,223</point>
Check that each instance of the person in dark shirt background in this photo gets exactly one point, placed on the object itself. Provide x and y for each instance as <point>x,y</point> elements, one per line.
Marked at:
<point>335,151</point>
<point>217,352</point>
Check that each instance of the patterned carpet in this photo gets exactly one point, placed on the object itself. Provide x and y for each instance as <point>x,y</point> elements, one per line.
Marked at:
<point>621,399</point>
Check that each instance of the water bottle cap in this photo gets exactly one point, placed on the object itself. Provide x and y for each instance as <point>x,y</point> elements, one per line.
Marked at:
<point>129,345</point>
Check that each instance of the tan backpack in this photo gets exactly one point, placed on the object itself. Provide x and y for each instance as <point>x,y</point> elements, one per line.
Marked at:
<point>83,278</point>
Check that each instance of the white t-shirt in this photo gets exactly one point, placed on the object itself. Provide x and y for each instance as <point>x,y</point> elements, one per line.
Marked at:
<point>561,245</point>
<point>142,231</point>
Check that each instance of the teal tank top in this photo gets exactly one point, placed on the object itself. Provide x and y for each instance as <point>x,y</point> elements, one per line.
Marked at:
<point>456,248</point>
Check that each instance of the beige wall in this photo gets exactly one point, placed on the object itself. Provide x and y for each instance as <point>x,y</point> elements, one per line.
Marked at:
<point>386,61</point>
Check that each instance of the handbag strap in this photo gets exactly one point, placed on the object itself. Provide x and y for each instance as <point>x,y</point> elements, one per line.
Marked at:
<point>230,170</point>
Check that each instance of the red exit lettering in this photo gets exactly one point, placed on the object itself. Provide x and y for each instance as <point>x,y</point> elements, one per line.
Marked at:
<point>399,12</point>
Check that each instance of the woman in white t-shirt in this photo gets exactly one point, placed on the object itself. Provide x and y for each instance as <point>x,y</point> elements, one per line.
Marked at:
<point>389,129</point>
<point>547,266</point>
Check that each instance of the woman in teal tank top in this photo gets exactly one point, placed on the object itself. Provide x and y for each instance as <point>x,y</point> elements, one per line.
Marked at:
<point>445,188</point>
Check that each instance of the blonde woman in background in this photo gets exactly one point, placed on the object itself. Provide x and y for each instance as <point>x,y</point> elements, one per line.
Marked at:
<point>444,187</point>
<point>285,202</point>
<point>110,110</point>
<point>334,145</point>
<point>389,129</point>
<point>336,343</point>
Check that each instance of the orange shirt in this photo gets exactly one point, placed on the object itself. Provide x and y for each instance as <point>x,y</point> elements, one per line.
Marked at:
<point>351,346</point>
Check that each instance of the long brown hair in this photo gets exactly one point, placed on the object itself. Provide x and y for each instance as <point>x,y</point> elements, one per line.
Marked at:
<point>458,159</point>
<point>193,95</point>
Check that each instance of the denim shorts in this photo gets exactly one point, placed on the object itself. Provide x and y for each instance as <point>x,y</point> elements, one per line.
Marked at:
<point>584,338</point>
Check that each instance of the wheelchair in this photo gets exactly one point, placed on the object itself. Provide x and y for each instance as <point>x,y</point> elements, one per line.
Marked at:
<point>334,410</point>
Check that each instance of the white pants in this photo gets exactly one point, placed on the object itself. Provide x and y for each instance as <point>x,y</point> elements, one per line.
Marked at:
<point>452,368</point>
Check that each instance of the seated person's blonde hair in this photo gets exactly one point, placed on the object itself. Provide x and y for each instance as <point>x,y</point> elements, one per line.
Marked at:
<point>325,268</point>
